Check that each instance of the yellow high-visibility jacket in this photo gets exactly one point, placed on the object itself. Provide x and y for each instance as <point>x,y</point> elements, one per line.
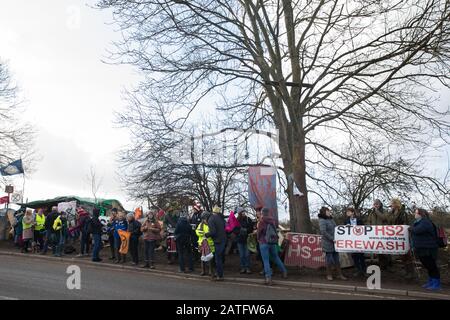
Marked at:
<point>201,230</point>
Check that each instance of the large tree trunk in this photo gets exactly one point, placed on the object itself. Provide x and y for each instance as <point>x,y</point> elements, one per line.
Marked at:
<point>299,218</point>
<point>300,203</point>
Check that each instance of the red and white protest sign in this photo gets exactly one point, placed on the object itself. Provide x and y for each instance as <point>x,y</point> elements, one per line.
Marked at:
<point>4,199</point>
<point>304,250</point>
<point>372,239</point>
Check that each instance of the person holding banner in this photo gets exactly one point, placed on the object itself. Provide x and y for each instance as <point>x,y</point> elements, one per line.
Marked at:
<point>327,225</point>
<point>358,258</point>
<point>400,217</point>
<point>425,246</point>
<point>378,216</point>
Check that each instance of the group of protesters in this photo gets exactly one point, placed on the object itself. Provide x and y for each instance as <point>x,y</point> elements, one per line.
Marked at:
<point>201,234</point>
<point>423,235</point>
<point>206,235</point>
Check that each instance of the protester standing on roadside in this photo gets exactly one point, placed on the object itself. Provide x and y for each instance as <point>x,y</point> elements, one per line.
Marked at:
<point>245,228</point>
<point>110,232</point>
<point>60,227</point>
<point>359,259</point>
<point>327,225</point>
<point>152,235</point>
<point>83,224</point>
<point>398,216</point>
<point>378,216</point>
<point>205,244</point>
<point>425,246</point>
<point>27,230</point>
<point>96,231</point>
<point>134,228</point>
<point>268,240</point>
<point>183,237</point>
<point>50,238</point>
<point>216,224</point>
<point>39,228</point>
<point>119,224</point>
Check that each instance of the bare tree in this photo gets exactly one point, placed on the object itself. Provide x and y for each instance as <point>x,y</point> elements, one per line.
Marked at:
<point>95,183</point>
<point>160,168</point>
<point>316,70</point>
<point>382,173</point>
<point>17,139</point>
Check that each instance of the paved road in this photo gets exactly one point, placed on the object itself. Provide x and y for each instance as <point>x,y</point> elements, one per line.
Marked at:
<point>25,278</point>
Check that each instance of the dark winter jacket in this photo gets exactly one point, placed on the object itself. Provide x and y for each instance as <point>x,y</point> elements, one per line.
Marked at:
<point>134,227</point>
<point>183,231</point>
<point>96,226</point>
<point>196,218</point>
<point>400,217</point>
<point>83,220</point>
<point>327,232</point>
<point>423,234</point>
<point>216,224</point>
<point>246,228</point>
<point>262,227</point>
<point>50,219</point>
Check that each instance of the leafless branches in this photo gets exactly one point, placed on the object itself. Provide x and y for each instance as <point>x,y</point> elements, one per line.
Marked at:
<point>363,69</point>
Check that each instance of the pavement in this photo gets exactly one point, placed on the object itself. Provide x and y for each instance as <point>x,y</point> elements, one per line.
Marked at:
<point>31,276</point>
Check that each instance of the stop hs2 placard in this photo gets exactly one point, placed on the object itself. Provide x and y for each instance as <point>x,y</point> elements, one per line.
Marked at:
<point>372,239</point>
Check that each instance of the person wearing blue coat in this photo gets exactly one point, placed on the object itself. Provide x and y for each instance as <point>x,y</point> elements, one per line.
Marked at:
<point>119,224</point>
<point>424,242</point>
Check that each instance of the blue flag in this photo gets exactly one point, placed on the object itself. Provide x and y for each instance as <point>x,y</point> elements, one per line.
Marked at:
<point>13,168</point>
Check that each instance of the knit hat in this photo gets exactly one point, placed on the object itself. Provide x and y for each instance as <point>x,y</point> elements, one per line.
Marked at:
<point>130,215</point>
<point>217,209</point>
<point>206,215</point>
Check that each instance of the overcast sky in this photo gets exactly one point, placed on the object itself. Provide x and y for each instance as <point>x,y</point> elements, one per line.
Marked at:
<point>54,50</point>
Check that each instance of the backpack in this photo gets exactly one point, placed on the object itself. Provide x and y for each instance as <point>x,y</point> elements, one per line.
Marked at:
<point>441,236</point>
<point>271,236</point>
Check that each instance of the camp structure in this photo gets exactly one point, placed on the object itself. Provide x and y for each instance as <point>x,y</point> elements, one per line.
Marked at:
<point>88,204</point>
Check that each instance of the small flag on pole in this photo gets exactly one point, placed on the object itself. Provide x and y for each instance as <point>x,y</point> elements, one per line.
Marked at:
<point>13,168</point>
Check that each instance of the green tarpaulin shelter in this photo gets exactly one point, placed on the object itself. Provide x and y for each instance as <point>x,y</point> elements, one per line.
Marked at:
<point>86,203</point>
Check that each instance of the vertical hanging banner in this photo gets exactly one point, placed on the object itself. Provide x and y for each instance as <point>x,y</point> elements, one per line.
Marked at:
<point>262,188</point>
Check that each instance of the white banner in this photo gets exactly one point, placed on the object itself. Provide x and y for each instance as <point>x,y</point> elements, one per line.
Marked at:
<point>70,208</point>
<point>372,239</point>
